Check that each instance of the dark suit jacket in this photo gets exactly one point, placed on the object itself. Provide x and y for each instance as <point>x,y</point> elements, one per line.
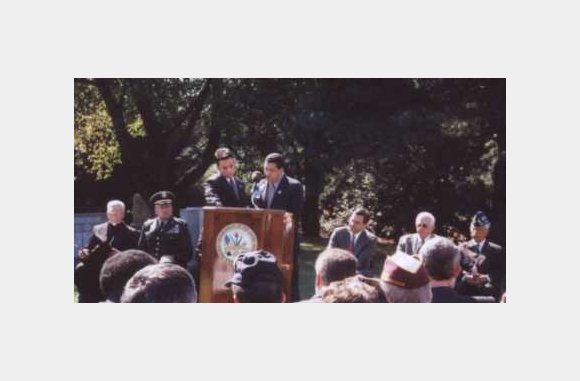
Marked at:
<point>122,236</point>
<point>289,196</point>
<point>218,192</point>
<point>492,263</point>
<point>449,295</point>
<point>173,239</point>
<point>366,246</point>
<point>105,237</point>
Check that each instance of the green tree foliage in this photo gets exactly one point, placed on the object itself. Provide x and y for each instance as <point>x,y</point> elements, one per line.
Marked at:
<point>395,146</point>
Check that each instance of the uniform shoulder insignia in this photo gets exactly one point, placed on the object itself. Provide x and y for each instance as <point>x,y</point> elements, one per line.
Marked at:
<point>180,220</point>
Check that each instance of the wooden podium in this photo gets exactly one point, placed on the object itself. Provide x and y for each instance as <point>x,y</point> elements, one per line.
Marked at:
<point>228,232</point>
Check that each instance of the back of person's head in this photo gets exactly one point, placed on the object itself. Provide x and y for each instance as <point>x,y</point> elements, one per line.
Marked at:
<point>441,258</point>
<point>356,289</point>
<point>256,279</point>
<point>160,283</point>
<point>259,292</point>
<point>119,268</point>
<point>333,265</point>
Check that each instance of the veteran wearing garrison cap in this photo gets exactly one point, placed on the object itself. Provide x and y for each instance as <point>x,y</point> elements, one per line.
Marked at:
<point>484,265</point>
<point>165,236</point>
<point>406,279</point>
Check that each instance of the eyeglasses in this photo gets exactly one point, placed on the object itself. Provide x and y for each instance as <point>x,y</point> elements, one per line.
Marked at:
<point>422,225</point>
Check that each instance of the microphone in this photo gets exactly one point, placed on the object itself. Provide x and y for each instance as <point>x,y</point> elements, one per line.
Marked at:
<point>257,176</point>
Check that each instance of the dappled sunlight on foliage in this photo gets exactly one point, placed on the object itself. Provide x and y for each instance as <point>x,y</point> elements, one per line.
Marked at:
<point>394,146</point>
<point>95,144</point>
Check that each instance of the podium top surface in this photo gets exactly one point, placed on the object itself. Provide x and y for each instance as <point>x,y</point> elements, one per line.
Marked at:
<point>245,210</point>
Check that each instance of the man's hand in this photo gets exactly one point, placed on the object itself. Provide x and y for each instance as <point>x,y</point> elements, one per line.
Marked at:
<point>287,217</point>
<point>476,280</point>
<point>466,252</point>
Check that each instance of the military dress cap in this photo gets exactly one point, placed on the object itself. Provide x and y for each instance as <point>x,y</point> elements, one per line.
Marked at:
<point>162,198</point>
<point>480,219</point>
<point>255,266</point>
<point>404,271</point>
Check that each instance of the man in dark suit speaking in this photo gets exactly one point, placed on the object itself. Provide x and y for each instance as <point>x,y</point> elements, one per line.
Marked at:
<point>280,191</point>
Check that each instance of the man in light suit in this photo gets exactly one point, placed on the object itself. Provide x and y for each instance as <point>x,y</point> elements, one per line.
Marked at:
<point>412,243</point>
<point>356,239</point>
<point>224,188</point>
<point>280,191</point>
<point>107,238</point>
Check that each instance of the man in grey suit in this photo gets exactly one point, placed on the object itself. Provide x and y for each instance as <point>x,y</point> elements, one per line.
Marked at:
<point>412,243</point>
<point>356,239</point>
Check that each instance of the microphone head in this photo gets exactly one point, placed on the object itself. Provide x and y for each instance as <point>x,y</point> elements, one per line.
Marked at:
<point>257,176</point>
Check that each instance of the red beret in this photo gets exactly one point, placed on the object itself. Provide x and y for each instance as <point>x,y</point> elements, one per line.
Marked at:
<point>404,271</point>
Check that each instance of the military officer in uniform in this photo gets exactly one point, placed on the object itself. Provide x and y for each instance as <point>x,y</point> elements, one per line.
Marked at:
<point>483,262</point>
<point>224,188</point>
<point>280,191</point>
<point>107,238</point>
<point>166,237</point>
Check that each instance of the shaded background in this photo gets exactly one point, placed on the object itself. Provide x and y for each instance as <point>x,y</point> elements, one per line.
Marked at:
<point>394,146</point>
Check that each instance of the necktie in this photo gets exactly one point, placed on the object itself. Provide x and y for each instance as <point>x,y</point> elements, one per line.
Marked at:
<point>351,244</point>
<point>420,243</point>
<point>270,194</point>
<point>235,188</point>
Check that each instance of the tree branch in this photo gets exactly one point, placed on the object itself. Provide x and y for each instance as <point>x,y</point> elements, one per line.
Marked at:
<point>145,108</point>
<point>115,111</point>
<point>180,134</point>
<point>207,156</point>
<point>194,105</point>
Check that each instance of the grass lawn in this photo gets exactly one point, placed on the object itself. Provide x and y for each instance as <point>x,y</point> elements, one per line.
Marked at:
<point>309,250</point>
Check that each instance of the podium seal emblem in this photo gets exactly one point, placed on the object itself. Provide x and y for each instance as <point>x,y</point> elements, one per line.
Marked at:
<point>235,239</point>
